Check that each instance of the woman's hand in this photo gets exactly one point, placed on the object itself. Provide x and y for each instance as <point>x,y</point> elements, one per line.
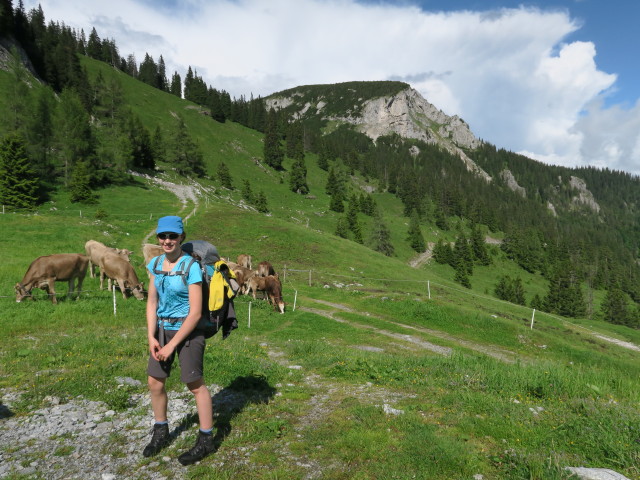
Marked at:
<point>165,352</point>
<point>154,347</point>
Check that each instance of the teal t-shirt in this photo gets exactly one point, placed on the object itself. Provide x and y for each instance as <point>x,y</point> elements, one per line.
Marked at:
<point>173,294</point>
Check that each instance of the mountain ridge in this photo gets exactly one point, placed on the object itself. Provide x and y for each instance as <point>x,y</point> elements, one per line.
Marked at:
<point>405,112</point>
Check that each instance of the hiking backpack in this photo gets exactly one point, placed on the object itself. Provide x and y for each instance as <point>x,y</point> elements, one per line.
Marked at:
<point>218,289</point>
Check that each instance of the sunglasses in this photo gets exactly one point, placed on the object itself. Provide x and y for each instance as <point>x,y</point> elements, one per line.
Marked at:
<point>170,236</point>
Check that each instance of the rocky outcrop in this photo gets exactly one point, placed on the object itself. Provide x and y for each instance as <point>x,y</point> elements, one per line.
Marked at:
<point>407,114</point>
<point>584,196</point>
<point>511,182</point>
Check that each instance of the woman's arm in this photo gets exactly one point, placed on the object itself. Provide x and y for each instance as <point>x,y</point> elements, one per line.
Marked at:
<point>152,318</point>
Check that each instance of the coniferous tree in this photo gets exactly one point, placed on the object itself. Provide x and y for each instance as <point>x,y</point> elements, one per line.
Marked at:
<point>247,193</point>
<point>188,84</point>
<point>142,152</point>
<point>184,154</point>
<point>440,219</point>
<point>40,134</point>
<point>80,185</point>
<point>564,296</point>
<point>6,17</point>
<point>503,289</point>
<point>261,202</point>
<point>18,179</point>
<point>298,177</point>
<point>336,204</point>
<point>158,146</point>
<point>17,106</point>
<point>536,302</point>
<point>342,227</point>
<point>215,106</point>
<point>332,182</point>
<point>161,81</point>
<point>478,246</point>
<point>94,46</point>
<point>414,234</point>
<point>323,157</point>
<point>442,253</point>
<point>462,255</point>
<point>176,85</point>
<point>352,219</point>
<point>614,307</point>
<point>380,237</point>
<point>224,176</point>
<point>148,71</point>
<point>461,277</point>
<point>518,292</point>
<point>273,153</point>
<point>74,135</point>
<point>132,66</point>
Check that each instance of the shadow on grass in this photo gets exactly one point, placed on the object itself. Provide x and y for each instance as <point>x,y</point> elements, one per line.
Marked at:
<point>228,402</point>
<point>5,412</point>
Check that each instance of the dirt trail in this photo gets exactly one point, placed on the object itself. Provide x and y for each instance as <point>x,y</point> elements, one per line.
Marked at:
<point>424,257</point>
<point>185,194</point>
<point>491,350</point>
<point>495,352</point>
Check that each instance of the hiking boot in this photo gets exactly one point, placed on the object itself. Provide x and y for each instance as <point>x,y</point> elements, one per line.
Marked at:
<point>203,447</point>
<point>159,440</point>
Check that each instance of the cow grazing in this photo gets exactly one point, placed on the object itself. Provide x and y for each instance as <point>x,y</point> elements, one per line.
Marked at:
<point>114,267</point>
<point>272,289</point>
<point>244,260</point>
<point>265,268</point>
<point>45,271</point>
<point>151,250</point>
<point>96,250</point>
<point>243,275</point>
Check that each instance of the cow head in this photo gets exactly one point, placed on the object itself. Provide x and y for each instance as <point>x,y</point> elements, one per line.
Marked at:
<point>138,291</point>
<point>22,292</point>
<point>275,294</point>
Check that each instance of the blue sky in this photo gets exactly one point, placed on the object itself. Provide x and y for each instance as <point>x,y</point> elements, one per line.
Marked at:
<point>556,80</point>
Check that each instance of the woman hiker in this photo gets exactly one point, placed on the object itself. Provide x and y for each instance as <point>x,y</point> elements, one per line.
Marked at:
<point>173,310</point>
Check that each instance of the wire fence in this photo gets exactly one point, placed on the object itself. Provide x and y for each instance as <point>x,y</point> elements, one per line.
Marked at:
<point>439,291</point>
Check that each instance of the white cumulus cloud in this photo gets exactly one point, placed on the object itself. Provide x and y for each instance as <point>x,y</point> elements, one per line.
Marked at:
<point>509,73</point>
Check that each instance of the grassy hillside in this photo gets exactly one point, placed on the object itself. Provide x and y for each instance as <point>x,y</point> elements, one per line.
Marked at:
<point>366,378</point>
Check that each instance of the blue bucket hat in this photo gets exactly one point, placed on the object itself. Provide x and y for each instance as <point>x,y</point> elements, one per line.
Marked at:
<point>171,223</point>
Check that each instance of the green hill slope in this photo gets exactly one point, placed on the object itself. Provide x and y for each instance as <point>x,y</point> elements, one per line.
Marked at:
<point>376,370</point>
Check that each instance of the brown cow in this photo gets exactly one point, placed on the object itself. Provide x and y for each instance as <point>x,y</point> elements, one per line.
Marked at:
<point>243,275</point>
<point>151,250</point>
<point>95,251</point>
<point>265,268</point>
<point>114,267</point>
<point>272,289</point>
<point>45,271</point>
<point>244,260</point>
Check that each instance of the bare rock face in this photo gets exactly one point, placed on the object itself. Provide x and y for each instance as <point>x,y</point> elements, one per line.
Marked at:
<point>407,114</point>
<point>512,183</point>
<point>584,196</point>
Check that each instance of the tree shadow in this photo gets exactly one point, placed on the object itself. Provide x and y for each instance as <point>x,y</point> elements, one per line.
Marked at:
<point>228,402</point>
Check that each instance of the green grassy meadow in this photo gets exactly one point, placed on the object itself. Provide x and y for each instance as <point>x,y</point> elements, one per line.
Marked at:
<point>381,371</point>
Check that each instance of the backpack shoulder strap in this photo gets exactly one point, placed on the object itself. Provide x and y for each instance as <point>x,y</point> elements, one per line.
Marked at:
<point>180,272</point>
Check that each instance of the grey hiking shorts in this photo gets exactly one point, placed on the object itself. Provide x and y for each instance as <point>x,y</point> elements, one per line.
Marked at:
<point>190,356</point>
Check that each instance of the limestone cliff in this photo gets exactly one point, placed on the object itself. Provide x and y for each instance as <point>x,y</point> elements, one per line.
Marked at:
<point>405,113</point>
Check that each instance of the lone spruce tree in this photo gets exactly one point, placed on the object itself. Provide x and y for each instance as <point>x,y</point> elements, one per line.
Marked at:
<point>273,152</point>
<point>380,237</point>
<point>18,180</point>
<point>225,176</point>
<point>414,234</point>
